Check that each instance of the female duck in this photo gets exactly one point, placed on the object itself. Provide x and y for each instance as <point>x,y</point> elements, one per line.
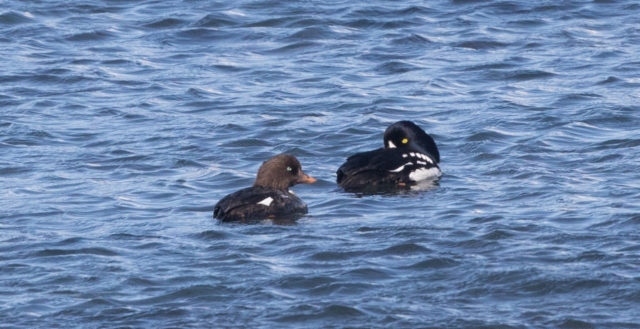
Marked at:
<point>409,156</point>
<point>269,197</point>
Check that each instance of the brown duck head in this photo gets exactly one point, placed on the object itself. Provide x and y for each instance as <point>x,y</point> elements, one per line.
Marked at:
<point>281,172</point>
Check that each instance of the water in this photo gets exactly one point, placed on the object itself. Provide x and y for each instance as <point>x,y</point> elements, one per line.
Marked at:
<point>124,122</point>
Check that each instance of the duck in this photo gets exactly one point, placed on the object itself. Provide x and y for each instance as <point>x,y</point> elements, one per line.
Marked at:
<point>409,156</point>
<point>269,197</point>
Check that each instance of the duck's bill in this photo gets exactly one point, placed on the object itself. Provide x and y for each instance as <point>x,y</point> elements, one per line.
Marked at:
<point>306,179</point>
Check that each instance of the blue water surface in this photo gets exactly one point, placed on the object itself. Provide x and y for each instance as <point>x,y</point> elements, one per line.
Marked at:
<point>122,123</point>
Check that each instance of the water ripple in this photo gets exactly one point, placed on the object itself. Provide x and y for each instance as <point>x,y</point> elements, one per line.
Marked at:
<point>123,123</point>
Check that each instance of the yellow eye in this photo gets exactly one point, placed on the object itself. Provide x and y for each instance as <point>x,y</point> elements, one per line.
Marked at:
<point>405,141</point>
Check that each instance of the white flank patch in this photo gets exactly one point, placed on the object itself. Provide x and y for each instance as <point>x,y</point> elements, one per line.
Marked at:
<point>391,145</point>
<point>423,173</point>
<point>397,169</point>
<point>266,201</point>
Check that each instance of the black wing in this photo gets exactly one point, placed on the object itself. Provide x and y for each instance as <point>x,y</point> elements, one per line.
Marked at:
<point>380,159</point>
<point>380,167</point>
<point>257,203</point>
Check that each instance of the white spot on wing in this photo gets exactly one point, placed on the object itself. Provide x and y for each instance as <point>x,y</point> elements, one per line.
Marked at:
<point>391,145</point>
<point>421,162</point>
<point>399,169</point>
<point>404,155</point>
<point>266,202</point>
<point>424,173</point>
<point>412,154</point>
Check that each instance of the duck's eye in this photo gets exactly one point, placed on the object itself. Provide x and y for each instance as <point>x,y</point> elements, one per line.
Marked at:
<point>405,141</point>
<point>288,168</point>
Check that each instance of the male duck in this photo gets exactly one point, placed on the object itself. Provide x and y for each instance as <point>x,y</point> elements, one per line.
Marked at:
<point>409,156</point>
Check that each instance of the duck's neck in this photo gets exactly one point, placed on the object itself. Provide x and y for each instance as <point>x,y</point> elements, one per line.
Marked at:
<point>271,183</point>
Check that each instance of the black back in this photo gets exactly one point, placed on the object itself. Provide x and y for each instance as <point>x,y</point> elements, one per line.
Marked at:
<point>244,205</point>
